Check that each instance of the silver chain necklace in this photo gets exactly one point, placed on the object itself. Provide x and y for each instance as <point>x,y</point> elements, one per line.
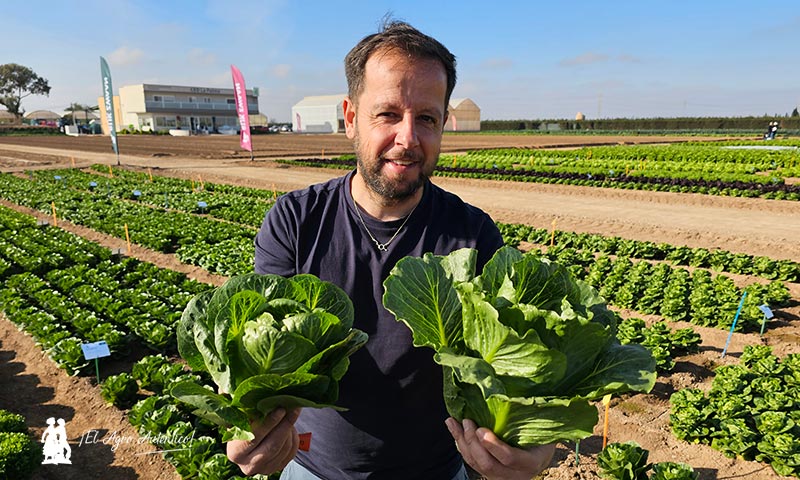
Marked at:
<point>382,246</point>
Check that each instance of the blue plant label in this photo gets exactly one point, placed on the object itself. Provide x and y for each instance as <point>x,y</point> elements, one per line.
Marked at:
<point>767,312</point>
<point>92,184</point>
<point>95,350</point>
<point>136,193</point>
<point>202,204</point>
<point>57,177</point>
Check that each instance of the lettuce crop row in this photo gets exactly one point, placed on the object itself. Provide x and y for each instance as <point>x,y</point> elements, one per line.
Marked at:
<point>184,185</point>
<point>687,168</point>
<point>170,193</point>
<point>751,411</point>
<point>155,228</point>
<point>84,297</point>
<point>672,292</point>
<point>664,344</point>
<point>717,260</point>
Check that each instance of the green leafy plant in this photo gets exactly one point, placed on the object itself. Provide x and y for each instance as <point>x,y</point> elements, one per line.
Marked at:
<point>673,471</point>
<point>120,390</point>
<point>524,346</point>
<point>624,461</point>
<point>20,456</point>
<point>12,422</point>
<point>267,342</point>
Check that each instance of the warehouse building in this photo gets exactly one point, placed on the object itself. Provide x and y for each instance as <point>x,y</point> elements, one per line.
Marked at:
<point>325,114</point>
<point>465,116</point>
<point>163,107</point>
<point>319,114</point>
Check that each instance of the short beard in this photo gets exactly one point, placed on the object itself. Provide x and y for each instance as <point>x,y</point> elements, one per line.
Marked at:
<point>390,192</point>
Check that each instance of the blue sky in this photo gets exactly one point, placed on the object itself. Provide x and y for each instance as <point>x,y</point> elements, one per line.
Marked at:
<point>516,60</point>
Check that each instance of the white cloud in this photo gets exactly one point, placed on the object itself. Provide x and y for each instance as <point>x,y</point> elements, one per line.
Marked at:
<point>584,59</point>
<point>125,56</point>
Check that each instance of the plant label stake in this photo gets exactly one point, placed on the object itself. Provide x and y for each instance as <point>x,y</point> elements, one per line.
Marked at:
<point>55,220</point>
<point>110,172</point>
<point>274,193</point>
<point>577,453</point>
<point>553,234</point>
<point>730,334</point>
<point>150,174</point>
<point>202,206</point>
<point>607,403</point>
<point>73,161</point>
<point>94,351</point>
<point>768,315</point>
<point>128,239</point>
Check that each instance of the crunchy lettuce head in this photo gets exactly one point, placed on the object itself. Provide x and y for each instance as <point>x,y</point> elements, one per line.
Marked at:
<point>267,342</point>
<point>524,346</point>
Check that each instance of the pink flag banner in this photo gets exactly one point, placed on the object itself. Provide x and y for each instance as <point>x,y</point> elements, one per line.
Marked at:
<point>297,121</point>
<point>240,95</point>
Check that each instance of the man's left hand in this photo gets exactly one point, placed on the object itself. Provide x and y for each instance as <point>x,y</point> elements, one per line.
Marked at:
<point>495,459</point>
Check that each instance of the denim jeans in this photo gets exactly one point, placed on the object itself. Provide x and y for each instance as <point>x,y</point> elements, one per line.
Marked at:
<point>295,471</point>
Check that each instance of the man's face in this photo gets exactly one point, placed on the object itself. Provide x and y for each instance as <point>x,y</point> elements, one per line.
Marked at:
<point>396,123</point>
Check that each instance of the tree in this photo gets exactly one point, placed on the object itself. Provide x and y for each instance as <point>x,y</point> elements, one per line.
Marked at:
<point>18,82</point>
<point>795,113</point>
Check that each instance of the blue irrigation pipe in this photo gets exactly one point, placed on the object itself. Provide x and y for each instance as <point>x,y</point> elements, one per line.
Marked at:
<point>730,334</point>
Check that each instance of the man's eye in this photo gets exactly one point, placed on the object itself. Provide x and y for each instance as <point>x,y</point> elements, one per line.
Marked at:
<point>428,119</point>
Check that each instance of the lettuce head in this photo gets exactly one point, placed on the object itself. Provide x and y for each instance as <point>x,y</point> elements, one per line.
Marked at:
<point>524,346</point>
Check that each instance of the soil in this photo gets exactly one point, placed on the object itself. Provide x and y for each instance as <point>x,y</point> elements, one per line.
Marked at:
<point>753,226</point>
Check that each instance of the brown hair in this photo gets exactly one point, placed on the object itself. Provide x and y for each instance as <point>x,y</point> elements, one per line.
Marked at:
<point>400,36</point>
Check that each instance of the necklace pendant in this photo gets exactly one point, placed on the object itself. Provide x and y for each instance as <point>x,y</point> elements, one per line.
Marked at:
<point>381,246</point>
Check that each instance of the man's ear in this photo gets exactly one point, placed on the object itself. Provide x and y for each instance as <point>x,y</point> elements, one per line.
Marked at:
<point>349,109</point>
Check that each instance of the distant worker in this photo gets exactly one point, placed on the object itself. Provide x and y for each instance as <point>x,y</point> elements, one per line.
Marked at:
<point>772,130</point>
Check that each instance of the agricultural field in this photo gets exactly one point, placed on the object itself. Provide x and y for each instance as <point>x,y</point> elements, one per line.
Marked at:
<point>671,234</point>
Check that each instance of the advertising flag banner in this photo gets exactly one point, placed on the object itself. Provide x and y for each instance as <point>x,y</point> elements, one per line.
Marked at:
<point>108,100</point>
<point>240,95</point>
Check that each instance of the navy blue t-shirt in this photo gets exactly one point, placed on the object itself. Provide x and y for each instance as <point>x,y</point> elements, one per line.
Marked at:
<point>394,426</point>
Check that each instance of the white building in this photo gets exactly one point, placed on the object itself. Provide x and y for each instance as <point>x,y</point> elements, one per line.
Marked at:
<point>465,116</point>
<point>319,114</point>
<point>163,107</point>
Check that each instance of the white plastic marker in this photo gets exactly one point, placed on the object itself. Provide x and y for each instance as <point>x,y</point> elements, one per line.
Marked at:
<point>768,315</point>
<point>94,351</point>
<point>730,334</point>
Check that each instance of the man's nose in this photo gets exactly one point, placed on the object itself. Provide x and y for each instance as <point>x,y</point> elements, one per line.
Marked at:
<point>406,135</point>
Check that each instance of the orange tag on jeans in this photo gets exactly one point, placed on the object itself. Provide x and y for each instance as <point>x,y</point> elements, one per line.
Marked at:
<point>305,441</point>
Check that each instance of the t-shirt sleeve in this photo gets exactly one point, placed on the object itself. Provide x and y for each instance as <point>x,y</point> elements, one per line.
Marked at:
<point>276,242</point>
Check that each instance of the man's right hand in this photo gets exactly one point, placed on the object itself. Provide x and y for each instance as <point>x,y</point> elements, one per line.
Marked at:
<point>273,448</point>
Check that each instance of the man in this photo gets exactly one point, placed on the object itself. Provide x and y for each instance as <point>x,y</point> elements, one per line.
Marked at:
<point>351,231</point>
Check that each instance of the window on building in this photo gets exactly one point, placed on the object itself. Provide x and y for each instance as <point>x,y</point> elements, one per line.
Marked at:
<point>161,122</point>
<point>207,99</point>
<point>192,99</point>
<point>231,101</point>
